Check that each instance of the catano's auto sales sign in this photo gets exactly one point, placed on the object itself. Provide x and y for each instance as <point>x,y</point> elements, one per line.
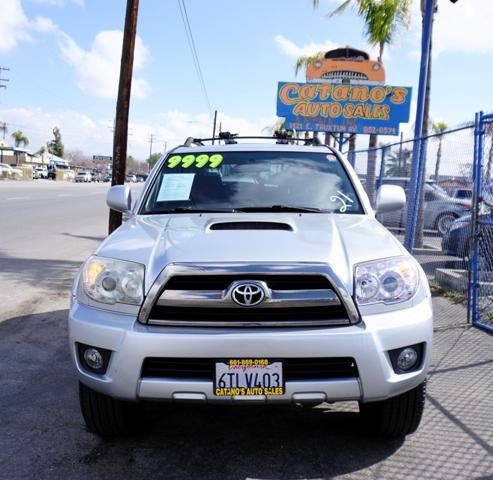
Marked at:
<point>335,107</point>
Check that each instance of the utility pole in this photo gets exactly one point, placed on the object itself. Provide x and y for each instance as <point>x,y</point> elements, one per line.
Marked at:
<point>417,165</point>
<point>214,126</point>
<point>123,104</point>
<point>151,138</point>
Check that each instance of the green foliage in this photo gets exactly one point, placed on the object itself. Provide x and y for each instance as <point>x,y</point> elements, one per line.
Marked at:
<point>439,127</point>
<point>20,139</point>
<point>154,158</point>
<point>398,164</point>
<point>304,60</point>
<point>56,147</point>
<point>382,19</point>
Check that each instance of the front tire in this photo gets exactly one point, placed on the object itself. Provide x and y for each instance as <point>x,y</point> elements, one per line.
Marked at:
<point>444,222</point>
<point>107,416</point>
<point>397,416</point>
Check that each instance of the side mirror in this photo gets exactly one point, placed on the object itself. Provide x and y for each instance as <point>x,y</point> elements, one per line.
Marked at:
<point>119,198</point>
<point>390,198</point>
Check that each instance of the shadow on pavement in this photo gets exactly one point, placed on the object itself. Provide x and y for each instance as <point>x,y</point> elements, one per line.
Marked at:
<point>34,272</point>
<point>39,416</point>
<point>84,237</point>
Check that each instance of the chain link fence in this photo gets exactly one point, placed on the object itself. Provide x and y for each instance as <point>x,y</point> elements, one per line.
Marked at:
<point>444,229</point>
<point>481,289</point>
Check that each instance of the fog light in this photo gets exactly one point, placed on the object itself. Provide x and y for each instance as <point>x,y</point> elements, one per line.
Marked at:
<point>93,358</point>
<point>407,359</point>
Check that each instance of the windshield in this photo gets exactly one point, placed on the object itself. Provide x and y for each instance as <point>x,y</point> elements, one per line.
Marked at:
<point>252,181</point>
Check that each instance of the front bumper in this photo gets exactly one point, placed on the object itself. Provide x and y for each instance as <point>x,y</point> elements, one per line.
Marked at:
<point>367,342</point>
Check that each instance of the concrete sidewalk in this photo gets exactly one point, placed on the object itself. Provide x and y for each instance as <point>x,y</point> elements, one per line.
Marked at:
<point>42,434</point>
<point>455,439</point>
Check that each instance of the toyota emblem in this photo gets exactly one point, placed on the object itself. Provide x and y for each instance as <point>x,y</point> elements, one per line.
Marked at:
<point>248,294</point>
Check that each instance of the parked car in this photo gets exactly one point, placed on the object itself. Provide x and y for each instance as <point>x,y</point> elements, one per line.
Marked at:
<point>96,176</point>
<point>107,178</point>
<point>458,242</point>
<point>9,171</point>
<point>462,193</point>
<point>56,165</point>
<point>440,209</point>
<point>131,178</point>
<point>282,291</point>
<point>6,170</point>
<point>40,172</point>
<point>85,177</point>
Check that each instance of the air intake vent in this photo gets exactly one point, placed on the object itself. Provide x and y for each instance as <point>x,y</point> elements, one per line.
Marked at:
<point>251,226</point>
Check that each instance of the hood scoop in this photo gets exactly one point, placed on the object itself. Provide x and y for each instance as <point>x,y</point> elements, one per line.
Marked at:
<point>249,225</point>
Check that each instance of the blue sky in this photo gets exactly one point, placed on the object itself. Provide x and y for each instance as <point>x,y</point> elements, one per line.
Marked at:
<point>64,55</point>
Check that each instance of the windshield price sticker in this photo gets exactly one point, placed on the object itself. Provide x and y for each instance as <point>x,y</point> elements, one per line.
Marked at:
<point>248,377</point>
<point>198,161</point>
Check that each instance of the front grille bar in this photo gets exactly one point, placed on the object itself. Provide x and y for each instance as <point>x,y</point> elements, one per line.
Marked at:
<point>222,299</point>
<point>339,296</point>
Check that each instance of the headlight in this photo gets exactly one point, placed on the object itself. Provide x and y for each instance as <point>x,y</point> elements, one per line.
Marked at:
<point>113,281</point>
<point>391,280</point>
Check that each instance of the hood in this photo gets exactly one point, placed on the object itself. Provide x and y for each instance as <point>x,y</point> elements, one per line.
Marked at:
<point>338,240</point>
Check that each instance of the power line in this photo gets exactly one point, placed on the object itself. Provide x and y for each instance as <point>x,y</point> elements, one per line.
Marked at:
<point>4,80</point>
<point>193,50</point>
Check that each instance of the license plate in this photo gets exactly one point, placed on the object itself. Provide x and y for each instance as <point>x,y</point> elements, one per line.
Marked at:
<point>248,377</point>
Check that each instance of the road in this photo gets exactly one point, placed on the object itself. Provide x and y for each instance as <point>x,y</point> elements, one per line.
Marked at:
<point>47,230</point>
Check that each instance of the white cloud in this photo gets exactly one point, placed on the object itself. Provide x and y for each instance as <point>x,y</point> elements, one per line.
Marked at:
<point>290,48</point>
<point>14,25</point>
<point>44,25</point>
<point>464,27</point>
<point>97,70</point>
<point>94,136</point>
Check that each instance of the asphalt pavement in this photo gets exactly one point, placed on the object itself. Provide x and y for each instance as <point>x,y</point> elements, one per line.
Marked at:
<point>47,230</point>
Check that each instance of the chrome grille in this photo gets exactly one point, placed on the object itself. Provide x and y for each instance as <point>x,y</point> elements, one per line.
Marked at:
<point>344,74</point>
<point>295,295</point>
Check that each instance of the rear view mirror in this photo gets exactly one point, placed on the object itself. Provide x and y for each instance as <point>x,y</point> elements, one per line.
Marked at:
<point>119,198</point>
<point>390,198</point>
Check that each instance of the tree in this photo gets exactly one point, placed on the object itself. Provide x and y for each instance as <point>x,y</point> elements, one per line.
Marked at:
<point>57,147</point>
<point>383,19</point>
<point>399,163</point>
<point>438,128</point>
<point>154,158</point>
<point>19,139</point>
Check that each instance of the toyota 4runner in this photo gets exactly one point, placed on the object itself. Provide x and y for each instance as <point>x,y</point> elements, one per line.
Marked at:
<point>251,273</point>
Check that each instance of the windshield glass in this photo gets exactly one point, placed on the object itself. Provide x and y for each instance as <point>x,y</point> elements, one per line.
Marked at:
<point>255,181</point>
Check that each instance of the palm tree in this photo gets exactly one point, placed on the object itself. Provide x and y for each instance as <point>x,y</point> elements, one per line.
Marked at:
<point>19,139</point>
<point>383,19</point>
<point>438,128</point>
<point>399,163</point>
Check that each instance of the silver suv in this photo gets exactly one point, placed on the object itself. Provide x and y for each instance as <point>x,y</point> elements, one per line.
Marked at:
<point>251,273</point>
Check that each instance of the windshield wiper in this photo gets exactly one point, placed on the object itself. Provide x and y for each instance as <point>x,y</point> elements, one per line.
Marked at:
<point>280,208</point>
<point>191,210</point>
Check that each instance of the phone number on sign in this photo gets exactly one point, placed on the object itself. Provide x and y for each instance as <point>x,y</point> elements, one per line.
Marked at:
<point>380,130</point>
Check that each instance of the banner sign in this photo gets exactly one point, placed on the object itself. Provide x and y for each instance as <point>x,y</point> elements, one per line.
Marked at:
<point>341,108</point>
<point>103,158</point>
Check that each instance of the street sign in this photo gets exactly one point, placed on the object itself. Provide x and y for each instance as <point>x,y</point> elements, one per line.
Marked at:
<point>103,158</point>
<point>343,108</point>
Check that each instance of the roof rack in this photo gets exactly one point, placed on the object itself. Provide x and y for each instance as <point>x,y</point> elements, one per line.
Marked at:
<point>281,137</point>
